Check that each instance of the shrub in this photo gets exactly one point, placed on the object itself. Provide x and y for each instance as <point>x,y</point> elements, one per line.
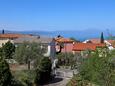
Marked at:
<point>26,77</point>
<point>43,71</point>
<point>5,74</point>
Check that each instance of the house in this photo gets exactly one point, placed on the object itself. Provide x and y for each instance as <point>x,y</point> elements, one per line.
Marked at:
<point>43,40</point>
<point>11,36</point>
<point>109,43</point>
<point>18,39</point>
<point>66,43</point>
<point>4,38</point>
<point>4,41</point>
<point>31,38</point>
<point>79,47</point>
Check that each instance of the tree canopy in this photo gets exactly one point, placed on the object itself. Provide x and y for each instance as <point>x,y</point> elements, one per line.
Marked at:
<point>7,50</point>
<point>28,51</point>
<point>5,74</point>
<point>97,70</point>
<point>74,39</point>
<point>102,38</point>
<point>43,71</point>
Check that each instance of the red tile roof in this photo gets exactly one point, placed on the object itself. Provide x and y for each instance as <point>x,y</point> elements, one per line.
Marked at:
<point>96,41</point>
<point>85,46</point>
<point>112,42</point>
<point>64,40</point>
<point>12,35</point>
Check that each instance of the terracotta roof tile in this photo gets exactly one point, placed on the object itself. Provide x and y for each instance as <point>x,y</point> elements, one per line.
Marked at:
<point>11,35</point>
<point>112,42</point>
<point>96,41</point>
<point>85,46</point>
<point>63,40</point>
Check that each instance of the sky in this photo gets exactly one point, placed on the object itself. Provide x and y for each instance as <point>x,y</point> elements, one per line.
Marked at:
<point>48,15</point>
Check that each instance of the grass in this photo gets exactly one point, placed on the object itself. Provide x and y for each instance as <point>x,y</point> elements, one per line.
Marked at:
<point>24,76</point>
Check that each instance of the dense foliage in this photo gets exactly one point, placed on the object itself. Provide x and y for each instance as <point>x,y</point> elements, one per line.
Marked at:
<point>5,74</point>
<point>6,77</point>
<point>28,52</point>
<point>7,50</point>
<point>102,38</point>
<point>69,60</point>
<point>74,39</point>
<point>97,70</point>
<point>26,77</point>
<point>23,53</point>
<point>43,72</point>
<point>65,59</point>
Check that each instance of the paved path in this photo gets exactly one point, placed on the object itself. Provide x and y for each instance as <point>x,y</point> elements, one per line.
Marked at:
<point>59,82</point>
<point>62,78</point>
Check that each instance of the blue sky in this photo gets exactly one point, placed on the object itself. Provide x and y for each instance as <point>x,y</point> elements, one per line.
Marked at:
<point>57,14</point>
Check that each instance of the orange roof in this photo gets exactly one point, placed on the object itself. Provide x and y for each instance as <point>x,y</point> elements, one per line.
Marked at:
<point>11,35</point>
<point>63,40</point>
<point>85,46</point>
<point>100,45</point>
<point>112,42</point>
<point>96,41</point>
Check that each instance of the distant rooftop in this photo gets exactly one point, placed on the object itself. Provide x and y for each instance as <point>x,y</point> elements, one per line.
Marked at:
<point>63,40</point>
<point>37,39</point>
<point>12,35</point>
<point>85,46</point>
<point>20,38</point>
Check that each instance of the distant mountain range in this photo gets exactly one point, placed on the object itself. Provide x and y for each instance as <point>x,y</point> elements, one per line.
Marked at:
<point>79,35</point>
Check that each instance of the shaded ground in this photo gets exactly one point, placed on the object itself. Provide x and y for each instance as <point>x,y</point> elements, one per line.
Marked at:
<point>62,78</point>
<point>58,82</point>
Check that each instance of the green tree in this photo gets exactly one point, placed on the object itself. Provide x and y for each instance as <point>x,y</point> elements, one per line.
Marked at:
<point>43,71</point>
<point>24,77</point>
<point>6,78</point>
<point>99,70</point>
<point>1,52</point>
<point>8,49</point>
<point>102,38</point>
<point>65,59</point>
<point>5,74</point>
<point>96,70</point>
<point>28,51</point>
<point>74,39</point>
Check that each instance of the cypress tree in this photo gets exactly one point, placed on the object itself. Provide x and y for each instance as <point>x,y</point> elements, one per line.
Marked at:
<point>3,31</point>
<point>102,38</point>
